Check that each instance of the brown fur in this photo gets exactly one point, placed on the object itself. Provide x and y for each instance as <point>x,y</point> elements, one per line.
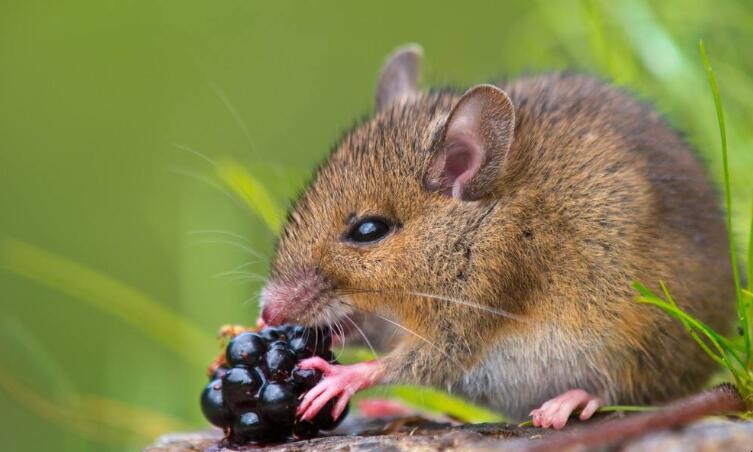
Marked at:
<point>595,193</point>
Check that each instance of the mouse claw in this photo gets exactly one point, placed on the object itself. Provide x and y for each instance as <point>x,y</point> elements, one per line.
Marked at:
<point>554,413</point>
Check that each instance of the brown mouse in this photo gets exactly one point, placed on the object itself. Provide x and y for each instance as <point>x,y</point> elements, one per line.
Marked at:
<point>501,230</point>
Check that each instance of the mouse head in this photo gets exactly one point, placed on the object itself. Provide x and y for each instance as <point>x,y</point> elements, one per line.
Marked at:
<point>397,218</point>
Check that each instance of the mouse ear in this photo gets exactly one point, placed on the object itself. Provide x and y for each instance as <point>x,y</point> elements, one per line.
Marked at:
<point>399,77</point>
<point>474,144</point>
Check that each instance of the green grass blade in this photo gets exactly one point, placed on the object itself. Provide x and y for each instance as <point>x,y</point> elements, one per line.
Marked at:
<point>35,357</point>
<point>719,357</point>
<point>689,328</point>
<point>178,334</point>
<point>97,418</point>
<point>723,346</point>
<point>750,251</point>
<point>420,397</point>
<point>135,420</point>
<point>651,298</point>
<point>251,191</point>
<point>681,315</point>
<point>689,322</point>
<point>433,400</point>
<point>741,305</point>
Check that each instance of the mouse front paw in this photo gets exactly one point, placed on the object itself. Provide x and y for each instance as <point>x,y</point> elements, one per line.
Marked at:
<point>339,382</point>
<point>555,412</point>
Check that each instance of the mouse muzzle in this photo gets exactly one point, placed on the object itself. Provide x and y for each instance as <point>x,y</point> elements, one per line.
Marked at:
<point>298,297</point>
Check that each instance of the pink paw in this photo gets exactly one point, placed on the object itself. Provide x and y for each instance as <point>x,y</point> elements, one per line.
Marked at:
<point>555,412</point>
<point>339,381</point>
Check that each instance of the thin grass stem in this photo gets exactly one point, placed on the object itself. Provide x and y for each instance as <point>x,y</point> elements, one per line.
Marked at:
<point>742,308</point>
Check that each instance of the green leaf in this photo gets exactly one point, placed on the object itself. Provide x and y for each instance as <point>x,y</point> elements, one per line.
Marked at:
<point>436,401</point>
<point>251,191</point>
<point>421,397</point>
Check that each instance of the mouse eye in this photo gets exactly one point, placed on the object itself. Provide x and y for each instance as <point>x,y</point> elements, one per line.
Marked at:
<point>369,230</point>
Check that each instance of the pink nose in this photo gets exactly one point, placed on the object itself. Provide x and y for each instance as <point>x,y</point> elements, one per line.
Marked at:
<point>286,298</point>
<point>272,315</point>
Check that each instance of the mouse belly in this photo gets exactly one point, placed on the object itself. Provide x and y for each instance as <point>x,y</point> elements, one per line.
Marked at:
<point>518,374</point>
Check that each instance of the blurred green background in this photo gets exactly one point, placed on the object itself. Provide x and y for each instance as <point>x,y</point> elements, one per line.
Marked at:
<point>132,133</point>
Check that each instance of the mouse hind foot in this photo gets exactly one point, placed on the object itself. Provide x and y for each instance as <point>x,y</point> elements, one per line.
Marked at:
<point>555,412</point>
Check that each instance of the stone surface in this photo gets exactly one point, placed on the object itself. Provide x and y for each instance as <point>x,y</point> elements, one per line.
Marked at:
<point>415,433</point>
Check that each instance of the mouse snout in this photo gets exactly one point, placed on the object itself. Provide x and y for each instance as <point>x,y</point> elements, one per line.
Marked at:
<point>285,299</point>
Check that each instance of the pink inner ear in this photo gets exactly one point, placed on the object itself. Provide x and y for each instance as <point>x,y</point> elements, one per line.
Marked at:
<point>462,161</point>
<point>456,164</point>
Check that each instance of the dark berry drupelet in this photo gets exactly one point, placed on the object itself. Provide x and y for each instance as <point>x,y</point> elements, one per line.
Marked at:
<point>254,396</point>
<point>245,350</point>
<point>213,404</point>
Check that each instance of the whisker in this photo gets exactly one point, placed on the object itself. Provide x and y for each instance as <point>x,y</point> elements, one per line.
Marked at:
<point>341,333</point>
<point>247,279</point>
<point>240,246</point>
<point>220,232</point>
<point>489,309</point>
<point>236,238</point>
<point>193,151</point>
<point>360,331</point>
<point>252,298</point>
<point>206,180</point>
<point>245,275</point>
<point>404,328</point>
<point>233,112</point>
<point>239,269</point>
<point>215,186</point>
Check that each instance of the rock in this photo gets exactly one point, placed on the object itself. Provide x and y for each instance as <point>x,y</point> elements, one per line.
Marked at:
<point>417,433</point>
<point>406,433</point>
<point>706,435</point>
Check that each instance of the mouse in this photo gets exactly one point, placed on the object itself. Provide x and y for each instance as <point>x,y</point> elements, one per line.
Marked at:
<point>499,229</point>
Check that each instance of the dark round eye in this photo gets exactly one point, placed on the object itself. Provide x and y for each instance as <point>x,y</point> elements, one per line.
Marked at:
<point>369,230</point>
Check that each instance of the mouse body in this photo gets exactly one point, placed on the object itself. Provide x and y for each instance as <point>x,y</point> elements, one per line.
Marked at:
<point>499,230</point>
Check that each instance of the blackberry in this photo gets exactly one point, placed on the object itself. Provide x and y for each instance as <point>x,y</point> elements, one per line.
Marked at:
<point>245,350</point>
<point>277,345</point>
<point>277,403</point>
<point>213,405</point>
<point>271,334</point>
<point>305,429</point>
<point>254,396</point>
<point>247,428</point>
<point>297,330</point>
<point>280,362</point>
<point>219,373</point>
<point>240,387</point>
<point>306,379</point>
<point>301,348</point>
<point>323,419</point>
